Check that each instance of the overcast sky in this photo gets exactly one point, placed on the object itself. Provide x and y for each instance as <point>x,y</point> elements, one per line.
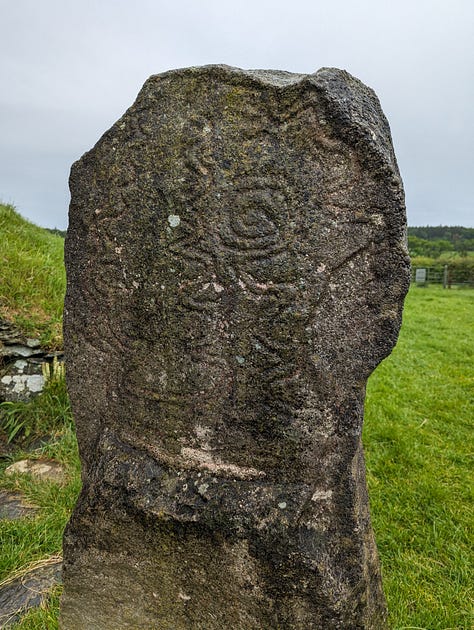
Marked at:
<point>70,68</point>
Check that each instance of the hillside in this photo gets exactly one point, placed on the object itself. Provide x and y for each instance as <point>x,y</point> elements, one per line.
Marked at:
<point>32,277</point>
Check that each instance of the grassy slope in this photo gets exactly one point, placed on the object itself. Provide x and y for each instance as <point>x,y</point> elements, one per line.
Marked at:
<point>32,279</point>
<point>32,283</point>
<point>417,438</point>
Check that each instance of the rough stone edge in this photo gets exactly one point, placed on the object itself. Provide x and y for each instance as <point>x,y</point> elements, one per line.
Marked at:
<point>341,91</point>
<point>353,109</point>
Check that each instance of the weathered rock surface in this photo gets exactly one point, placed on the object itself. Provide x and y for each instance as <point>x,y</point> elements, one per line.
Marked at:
<point>236,270</point>
<point>21,380</point>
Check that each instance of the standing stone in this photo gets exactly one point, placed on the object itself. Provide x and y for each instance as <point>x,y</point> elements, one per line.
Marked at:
<point>236,269</point>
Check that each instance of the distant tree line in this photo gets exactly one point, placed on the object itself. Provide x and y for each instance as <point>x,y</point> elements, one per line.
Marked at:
<point>434,241</point>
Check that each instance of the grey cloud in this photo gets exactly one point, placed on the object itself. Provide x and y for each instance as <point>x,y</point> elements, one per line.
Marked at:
<point>68,70</point>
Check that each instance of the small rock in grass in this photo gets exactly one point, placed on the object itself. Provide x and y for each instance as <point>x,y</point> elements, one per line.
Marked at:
<point>45,470</point>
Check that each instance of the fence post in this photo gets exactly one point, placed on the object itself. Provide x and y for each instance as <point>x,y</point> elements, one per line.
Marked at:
<point>445,277</point>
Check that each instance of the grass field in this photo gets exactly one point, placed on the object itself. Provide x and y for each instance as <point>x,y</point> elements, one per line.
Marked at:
<point>419,450</point>
<point>418,440</point>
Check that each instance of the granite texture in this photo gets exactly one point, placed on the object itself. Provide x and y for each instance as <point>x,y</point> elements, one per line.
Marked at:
<point>236,266</point>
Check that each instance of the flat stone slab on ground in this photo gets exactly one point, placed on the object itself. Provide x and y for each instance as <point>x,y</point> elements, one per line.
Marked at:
<point>28,591</point>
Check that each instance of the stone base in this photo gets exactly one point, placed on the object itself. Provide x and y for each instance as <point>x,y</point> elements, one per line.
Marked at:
<point>161,556</point>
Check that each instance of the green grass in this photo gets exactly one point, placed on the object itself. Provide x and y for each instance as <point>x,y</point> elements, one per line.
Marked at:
<point>38,537</point>
<point>417,436</point>
<point>31,539</point>
<point>32,278</point>
<point>418,439</point>
<point>43,618</point>
<point>42,415</point>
